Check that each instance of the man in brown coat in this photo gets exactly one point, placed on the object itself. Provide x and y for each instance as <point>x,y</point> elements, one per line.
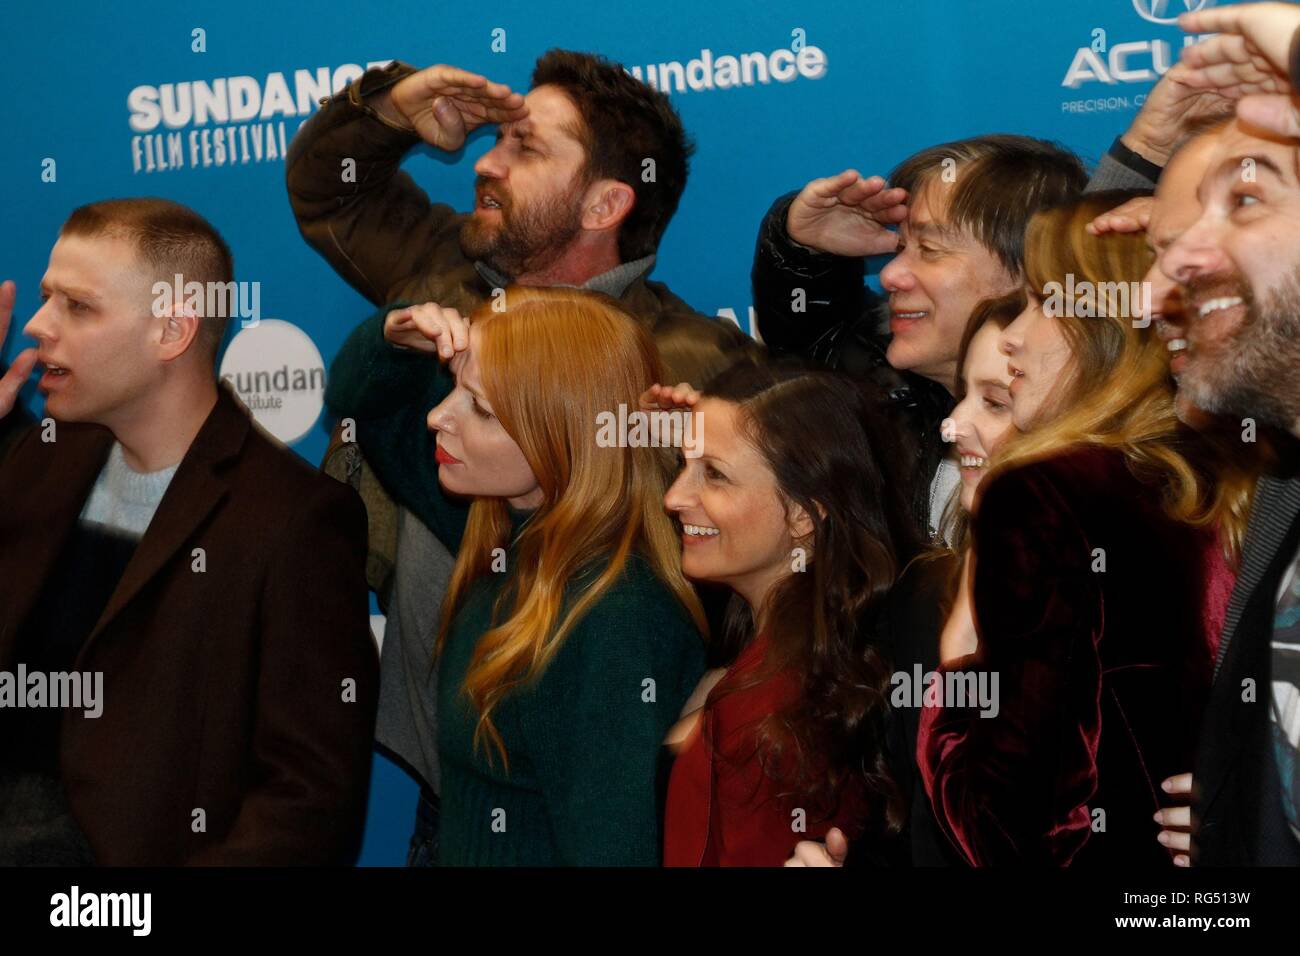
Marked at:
<point>585,176</point>
<point>586,173</point>
<point>186,670</point>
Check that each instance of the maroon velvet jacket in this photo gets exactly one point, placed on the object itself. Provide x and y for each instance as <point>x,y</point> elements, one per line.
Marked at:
<point>723,810</point>
<point>1103,675</point>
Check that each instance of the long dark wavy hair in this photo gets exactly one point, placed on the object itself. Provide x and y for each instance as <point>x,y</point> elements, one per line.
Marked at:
<point>831,446</point>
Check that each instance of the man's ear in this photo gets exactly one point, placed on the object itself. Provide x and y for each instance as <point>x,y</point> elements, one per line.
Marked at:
<point>181,326</point>
<point>608,203</point>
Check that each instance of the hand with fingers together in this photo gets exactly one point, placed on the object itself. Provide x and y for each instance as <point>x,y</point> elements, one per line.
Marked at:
<point>1132,216</point>
<point>847,215</point>
<point>428,328</point>
<point>669,398</point>
<point>1176,822</point>
<point>1249,61</point>
<point>1169,110</point>
<point>23,363</point>
<point>444,104</point>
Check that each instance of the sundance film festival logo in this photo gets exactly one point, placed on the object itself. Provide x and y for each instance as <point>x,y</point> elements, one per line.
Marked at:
<point>231,121</point>
<point>710,71</point>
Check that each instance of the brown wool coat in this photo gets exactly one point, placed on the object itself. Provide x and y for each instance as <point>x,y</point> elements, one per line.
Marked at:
<point>222,690</point>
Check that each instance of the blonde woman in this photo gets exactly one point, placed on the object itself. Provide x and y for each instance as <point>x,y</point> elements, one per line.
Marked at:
<point>1093,540</point>
<point>569,637</point>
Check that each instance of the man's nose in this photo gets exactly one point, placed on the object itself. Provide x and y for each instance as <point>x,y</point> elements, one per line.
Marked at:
<point>896,277</point>
<point>39,325</point>
<point>492,164</point>
<point>1192,255</point>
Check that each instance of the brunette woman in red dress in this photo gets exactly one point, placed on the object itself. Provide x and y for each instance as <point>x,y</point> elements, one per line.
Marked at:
<point>790,505</point>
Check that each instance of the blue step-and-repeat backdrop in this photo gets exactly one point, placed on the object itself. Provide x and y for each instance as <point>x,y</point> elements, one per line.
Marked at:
<point>196,102</point>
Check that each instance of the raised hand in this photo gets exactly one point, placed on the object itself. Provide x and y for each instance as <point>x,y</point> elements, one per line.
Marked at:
<point>23,363</point>
<point>1265,29</point>
<point>847,215</point>
<point>1247,61</point>
<point>428,328</point>
<point>669,398</point>
<point>1132,216</point>
<point>444,104</point>
<point>1171,105</point>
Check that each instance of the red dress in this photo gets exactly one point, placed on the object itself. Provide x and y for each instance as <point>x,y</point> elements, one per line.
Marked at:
<point>723,809</point>
<point>1220,579</point>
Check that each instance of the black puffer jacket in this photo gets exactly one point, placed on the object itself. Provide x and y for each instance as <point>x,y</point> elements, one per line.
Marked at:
<point>840,327</point>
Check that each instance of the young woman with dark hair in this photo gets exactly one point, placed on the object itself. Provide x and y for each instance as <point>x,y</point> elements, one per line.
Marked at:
<point>792,505</point>
<point>1086,580</point>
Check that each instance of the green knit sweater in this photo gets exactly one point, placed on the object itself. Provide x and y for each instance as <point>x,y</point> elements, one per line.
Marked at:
<point>389,392</point>
<point>583,740</point>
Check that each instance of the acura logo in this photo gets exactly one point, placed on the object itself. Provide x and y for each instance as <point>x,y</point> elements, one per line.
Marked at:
<point>1159,11</point>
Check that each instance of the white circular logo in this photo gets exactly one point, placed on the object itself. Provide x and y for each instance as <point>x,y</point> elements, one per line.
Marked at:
<point>276,369</point>
<point>1157,11</point>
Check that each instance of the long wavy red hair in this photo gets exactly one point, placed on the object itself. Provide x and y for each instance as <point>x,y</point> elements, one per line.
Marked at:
<point>551,361</point>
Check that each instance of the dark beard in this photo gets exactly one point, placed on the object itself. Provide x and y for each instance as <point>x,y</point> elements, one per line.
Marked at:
<point>1256,374</point>
<point>528,238</point>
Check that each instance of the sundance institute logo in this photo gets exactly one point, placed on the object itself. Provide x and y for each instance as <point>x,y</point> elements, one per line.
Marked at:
<point>277,370</point>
